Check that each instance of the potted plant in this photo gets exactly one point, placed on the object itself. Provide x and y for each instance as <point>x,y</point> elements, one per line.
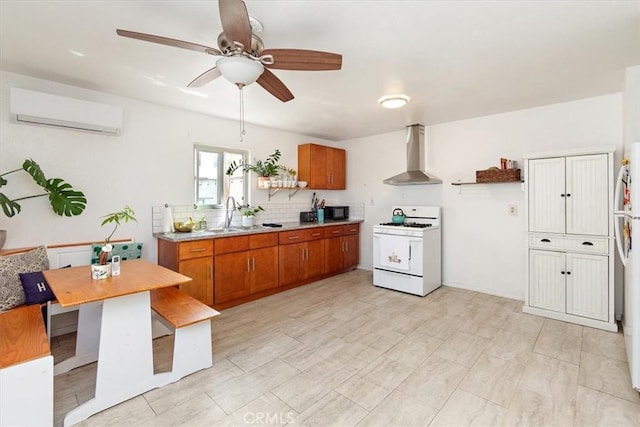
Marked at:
<point>248,213</point>
<point>102,270</point>
<point>63,198</point>
<point>264,169</point>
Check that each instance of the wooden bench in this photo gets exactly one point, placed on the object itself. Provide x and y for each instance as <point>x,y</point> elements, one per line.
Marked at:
<point>26,369</point>
<point>191,320</point>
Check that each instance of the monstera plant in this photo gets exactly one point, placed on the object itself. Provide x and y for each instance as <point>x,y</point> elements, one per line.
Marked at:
<point>63,198</point>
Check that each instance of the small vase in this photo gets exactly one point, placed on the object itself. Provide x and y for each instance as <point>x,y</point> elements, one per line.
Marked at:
<point>247,221</point>
<point>100,271</point>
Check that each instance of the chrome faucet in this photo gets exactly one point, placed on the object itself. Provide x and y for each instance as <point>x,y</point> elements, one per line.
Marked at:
<point>229,213</point>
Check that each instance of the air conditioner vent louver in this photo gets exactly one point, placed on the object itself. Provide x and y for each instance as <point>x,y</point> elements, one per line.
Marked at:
<point>27,106</point>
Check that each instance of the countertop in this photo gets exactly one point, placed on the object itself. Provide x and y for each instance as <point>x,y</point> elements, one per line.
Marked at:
<point>240,231</point>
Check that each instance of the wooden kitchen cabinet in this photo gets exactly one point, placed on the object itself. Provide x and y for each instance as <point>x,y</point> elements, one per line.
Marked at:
<point>245,265</point>
<point>570,246</point>
<point>193,259</point>
<point>322,167</point>
<point>301,256</point>
<point>228,271</point>
<point>341,248</point>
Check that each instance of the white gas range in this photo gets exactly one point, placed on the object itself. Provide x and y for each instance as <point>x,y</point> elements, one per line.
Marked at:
<point>407,257</point>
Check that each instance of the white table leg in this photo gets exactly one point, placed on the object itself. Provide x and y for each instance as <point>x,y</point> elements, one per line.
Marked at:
<point>87,339</point>
<point>125,362</point>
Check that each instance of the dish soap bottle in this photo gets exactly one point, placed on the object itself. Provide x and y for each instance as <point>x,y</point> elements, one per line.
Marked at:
<point>202,223</point>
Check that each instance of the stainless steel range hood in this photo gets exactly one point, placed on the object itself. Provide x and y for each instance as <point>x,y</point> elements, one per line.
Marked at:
<point>415,174</point>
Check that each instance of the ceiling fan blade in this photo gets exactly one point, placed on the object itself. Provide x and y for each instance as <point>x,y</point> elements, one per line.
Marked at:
<point>169,42</point>
<point>235,22</point>
<point>205,77</point>
<point>274,86</point>
<point>303,60</point>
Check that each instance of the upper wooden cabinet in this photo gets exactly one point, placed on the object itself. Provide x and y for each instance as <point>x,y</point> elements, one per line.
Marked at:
<point>323,167</point>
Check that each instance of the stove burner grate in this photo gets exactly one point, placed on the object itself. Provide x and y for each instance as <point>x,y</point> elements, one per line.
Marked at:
<point>407,224</point>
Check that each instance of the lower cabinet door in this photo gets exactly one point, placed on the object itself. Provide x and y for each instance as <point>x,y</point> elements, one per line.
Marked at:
<point>201,272</point>
<point>264,263</point>
<point>546,280</point>
<point>333,254</point>
<point>314,259</point>
<point>232,273</point>
<point>291,263</point>
<point>588,285</point>
<point>351,251</point>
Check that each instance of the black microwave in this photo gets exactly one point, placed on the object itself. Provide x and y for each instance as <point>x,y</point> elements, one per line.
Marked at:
<point>336,212</point>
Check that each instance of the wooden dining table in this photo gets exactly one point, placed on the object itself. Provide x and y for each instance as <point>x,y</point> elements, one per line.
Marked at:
<point>114,329</point>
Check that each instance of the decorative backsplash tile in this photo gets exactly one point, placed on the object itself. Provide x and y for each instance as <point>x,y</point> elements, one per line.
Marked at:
<point>273,212</point>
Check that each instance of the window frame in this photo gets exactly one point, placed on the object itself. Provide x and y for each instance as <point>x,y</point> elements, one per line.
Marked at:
<point>223,178</point>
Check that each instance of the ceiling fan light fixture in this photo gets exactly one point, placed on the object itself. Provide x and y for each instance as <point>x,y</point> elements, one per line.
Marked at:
<point>240,70</point>
<point>394,101</point>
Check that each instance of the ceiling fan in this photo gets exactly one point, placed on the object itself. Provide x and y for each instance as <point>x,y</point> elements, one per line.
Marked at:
<point>243,57</point>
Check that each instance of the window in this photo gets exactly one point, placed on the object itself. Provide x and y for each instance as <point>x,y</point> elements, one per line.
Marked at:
<point>212,185</point>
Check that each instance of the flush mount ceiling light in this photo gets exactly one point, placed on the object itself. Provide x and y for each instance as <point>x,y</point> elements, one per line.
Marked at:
<point>394,101</point>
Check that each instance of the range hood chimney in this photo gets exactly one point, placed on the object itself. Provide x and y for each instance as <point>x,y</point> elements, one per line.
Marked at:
<point>415,174</point>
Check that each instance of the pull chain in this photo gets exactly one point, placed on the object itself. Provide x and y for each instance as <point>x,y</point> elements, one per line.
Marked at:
<point>242,131</point>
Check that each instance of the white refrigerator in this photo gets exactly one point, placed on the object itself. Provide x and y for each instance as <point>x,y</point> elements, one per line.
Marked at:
<point>627,231</point>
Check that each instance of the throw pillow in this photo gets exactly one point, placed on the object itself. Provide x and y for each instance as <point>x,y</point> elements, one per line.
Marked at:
<point>36,288</point>
<point>11,291</point>
<point>125,250</point>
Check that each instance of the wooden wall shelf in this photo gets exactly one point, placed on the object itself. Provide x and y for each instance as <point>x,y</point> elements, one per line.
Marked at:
<point>484,183</point>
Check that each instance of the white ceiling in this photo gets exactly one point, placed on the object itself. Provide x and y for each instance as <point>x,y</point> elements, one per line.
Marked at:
<point>455,59</point>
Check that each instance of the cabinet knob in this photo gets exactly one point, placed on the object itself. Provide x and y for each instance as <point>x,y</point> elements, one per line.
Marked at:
<point>568,272</point>
<point>545,240</point>
<point>568,194</point>
<point>562,195</point>
<point>587,244</point>
<point>562,272</point>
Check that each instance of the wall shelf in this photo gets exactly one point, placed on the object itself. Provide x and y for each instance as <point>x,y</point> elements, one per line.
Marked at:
<point>274,190</point>
<point>479,183</point>
<point>462,184</point>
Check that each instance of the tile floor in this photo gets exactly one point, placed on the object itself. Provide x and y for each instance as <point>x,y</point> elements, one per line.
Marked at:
<point>342,352</point>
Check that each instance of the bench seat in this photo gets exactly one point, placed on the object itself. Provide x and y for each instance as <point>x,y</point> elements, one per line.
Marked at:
<point>26,368</point>
<point>191,320</point>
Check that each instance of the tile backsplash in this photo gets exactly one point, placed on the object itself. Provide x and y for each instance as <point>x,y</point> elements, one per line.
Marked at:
<point>273,212</point>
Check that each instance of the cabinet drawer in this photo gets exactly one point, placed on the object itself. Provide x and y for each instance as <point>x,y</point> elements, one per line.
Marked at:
<point>264,240</point>
<point>335,231</point>
<point>231,244</point>
<point>351,229</point>
<point>295,236</point>
<point>565,243</point>
<point>195,249</point>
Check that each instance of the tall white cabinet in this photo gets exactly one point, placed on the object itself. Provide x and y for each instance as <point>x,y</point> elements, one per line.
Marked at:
<point>569,198</point>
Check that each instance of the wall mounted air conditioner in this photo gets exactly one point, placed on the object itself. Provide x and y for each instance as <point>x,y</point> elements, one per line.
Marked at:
<point>27,106</point>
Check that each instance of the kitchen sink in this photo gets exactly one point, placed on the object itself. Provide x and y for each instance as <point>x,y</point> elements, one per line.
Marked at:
<point>225,230</point>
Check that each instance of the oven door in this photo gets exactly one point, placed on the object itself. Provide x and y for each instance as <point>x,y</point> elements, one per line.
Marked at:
<point>399,254</point>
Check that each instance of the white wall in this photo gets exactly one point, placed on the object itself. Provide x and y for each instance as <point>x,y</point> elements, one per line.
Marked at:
<point>483,247</point>
<point>149,165</point>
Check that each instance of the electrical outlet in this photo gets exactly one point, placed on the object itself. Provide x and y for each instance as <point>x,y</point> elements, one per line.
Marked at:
<point>512,209</point>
